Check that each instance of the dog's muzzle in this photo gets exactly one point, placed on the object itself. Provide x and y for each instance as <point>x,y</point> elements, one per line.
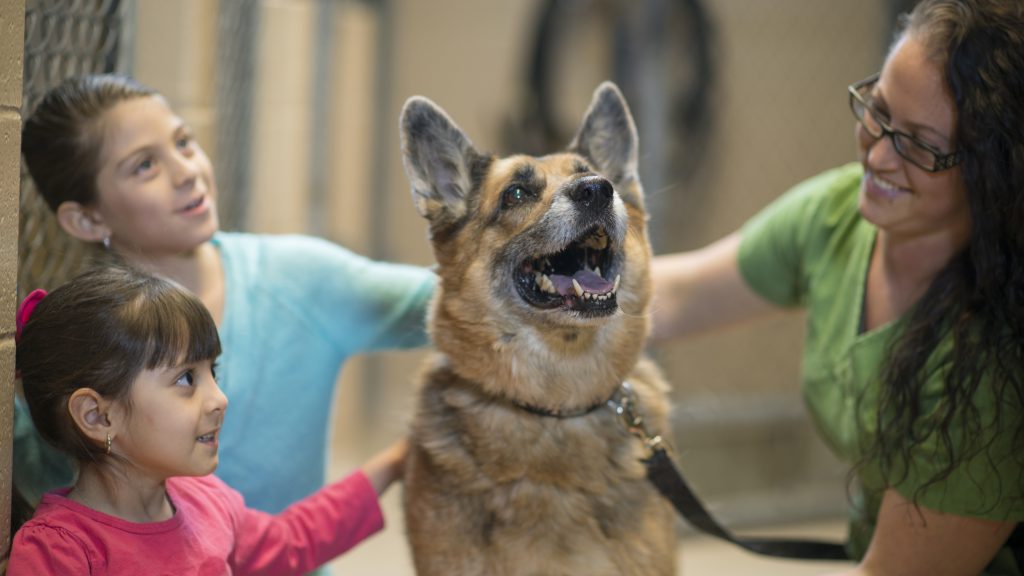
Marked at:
<point>577,278</point>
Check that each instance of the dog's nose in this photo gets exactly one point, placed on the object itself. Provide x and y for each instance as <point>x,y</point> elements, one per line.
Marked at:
<point>592,193</point>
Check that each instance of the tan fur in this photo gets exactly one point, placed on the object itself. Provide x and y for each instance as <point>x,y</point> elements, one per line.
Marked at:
<point>490,488</point>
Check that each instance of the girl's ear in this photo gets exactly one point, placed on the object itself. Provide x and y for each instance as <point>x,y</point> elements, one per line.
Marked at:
<point>81,222</point>
<point>90,411</point>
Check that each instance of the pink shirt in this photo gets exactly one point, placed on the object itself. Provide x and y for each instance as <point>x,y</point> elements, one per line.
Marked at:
<point>212,533</point>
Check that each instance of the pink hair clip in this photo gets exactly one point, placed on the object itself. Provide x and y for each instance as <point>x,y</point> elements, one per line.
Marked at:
<point>25,311</point>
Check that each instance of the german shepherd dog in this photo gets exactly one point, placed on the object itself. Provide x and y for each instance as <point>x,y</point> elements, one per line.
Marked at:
<point>516,466</point>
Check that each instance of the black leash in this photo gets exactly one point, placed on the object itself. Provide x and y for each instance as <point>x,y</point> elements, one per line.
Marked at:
<point>668,480</point>
<point>662,472</point>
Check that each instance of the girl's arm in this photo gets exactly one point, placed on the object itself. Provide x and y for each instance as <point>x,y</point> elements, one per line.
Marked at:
<point>917,541</point>
<point>318,528</point>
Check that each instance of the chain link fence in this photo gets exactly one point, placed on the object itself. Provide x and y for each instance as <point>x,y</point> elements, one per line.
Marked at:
<point>63,38</point>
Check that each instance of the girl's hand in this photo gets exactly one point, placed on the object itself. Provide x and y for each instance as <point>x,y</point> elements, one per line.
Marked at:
<point>387,466</point>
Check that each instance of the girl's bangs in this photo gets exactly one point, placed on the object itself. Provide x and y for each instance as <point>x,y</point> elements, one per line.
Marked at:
<point>177,329</point>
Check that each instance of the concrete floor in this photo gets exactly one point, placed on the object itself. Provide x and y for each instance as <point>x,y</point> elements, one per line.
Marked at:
<point>386,553</point>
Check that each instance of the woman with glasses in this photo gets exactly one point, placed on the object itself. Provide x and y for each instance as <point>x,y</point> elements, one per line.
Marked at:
<point>910,264</point>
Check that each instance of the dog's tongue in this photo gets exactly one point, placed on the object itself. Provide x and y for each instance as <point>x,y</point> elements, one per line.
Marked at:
<point>587,279</point>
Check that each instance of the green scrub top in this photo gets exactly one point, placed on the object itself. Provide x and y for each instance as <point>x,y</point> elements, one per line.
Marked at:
<point>811,249</point>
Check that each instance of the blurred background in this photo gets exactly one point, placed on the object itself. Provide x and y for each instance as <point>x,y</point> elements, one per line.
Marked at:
<point>297,103</point>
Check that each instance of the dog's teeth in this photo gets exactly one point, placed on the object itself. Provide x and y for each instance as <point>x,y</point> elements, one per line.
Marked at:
<point>546,284</point>
<point>597,270</point>
<point>615,288</point>
<point>579,289</point>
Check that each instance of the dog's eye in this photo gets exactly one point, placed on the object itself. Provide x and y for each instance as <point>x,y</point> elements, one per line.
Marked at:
<point>515,195</point>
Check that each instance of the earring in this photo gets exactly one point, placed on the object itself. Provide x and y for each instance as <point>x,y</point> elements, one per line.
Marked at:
<point>109,440</point>
<point>106,242</point>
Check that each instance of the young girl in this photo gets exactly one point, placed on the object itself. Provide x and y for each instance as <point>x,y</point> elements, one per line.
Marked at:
<point>118,372</point>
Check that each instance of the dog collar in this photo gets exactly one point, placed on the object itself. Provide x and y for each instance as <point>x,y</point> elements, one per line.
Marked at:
<point>619,392</point>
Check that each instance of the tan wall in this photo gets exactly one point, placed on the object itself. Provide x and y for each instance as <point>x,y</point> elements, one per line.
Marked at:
<point>283,117</point>
<point>175,54</point>
<point>12,26</point>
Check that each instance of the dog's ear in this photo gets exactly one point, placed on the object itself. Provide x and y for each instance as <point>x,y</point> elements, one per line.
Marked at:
<point>607,136</point>
<point>438,159</point>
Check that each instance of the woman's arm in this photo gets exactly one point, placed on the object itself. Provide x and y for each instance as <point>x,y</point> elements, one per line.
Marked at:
<point>917,541</point>
<point>700,291</point>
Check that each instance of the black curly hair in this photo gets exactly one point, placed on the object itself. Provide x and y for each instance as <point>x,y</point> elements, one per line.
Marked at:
<point>977,300</point>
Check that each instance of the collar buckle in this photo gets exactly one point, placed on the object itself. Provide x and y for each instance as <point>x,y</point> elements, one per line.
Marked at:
<point>623,403</point>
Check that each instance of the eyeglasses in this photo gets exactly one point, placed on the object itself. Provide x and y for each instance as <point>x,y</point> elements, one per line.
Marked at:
<point>918,153</point>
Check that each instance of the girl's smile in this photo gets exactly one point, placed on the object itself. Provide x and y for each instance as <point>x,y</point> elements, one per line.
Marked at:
<point>210,439</point>
<point>198,207</point>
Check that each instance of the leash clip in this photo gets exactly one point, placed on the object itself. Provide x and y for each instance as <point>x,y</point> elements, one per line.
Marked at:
<point>623,404</point>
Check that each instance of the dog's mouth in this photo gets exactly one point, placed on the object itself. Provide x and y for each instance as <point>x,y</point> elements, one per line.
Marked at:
<point>577,278</point>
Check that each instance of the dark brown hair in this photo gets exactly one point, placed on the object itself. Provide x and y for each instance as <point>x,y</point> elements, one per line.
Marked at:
<point>99,331</point>
<point>977,300</point>
<point>62,138</point>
